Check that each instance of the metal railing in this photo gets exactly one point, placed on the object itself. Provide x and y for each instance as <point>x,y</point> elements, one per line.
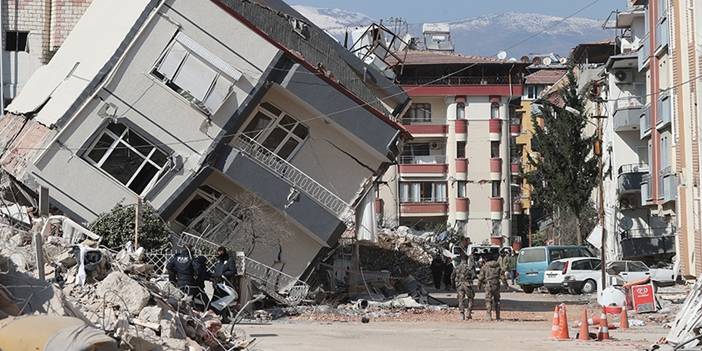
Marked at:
<point>645,121</point>
<point>420,121</point>
<point>633,168</point>
<point>628,102</point>
<point>295,177</point>
<point>422,160</point>
<point>664,111</point>
<point>425,199</point>
<point>650,232</point>
<point>460,80</point>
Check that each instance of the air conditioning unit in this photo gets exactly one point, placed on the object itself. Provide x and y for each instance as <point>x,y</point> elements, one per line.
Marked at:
<point>623,76</point>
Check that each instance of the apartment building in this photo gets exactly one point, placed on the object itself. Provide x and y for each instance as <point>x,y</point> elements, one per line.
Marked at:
<point>191,105</point>
<point>456,171</point>
<point>32,31</point>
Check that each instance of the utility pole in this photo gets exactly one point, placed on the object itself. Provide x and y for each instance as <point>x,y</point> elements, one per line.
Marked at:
<point>600,180</point>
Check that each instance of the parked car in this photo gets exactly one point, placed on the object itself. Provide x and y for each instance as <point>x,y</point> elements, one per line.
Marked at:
<point>636,270</point>
<point>533,261</point>
<point>575,275</point>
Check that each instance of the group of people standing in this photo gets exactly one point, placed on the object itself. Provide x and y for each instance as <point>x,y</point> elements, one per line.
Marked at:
<point>189,273</point>
<point>494,274</point>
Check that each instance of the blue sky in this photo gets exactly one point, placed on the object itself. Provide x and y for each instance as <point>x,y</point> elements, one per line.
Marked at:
<point>418,11</point>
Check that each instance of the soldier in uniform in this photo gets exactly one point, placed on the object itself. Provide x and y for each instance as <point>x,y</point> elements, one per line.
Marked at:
<point>489,278</point>
<point>462,277</point>
<point>503,261</point>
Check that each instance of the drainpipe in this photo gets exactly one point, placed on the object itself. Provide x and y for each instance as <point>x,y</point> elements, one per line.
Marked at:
<point>46,47</point>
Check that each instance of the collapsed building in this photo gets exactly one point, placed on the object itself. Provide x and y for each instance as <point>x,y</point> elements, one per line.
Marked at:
<point>191,105</point>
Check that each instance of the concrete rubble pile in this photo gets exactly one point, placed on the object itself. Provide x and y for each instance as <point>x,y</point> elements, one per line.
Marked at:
<point>116,294</point>
<point>401,252</point>
<point>686,329</point>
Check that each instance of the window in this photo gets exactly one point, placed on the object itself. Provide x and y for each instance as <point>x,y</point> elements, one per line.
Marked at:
<point>460,110</point>
<point>531,92</point>
<point>617,267</point>
<point>422,192</point>
<point>462,191</point>
<point>494,149</point>
<point>636,266</point>
<point>461,149</point>
<point>582,265</point>
<point>495,188</point>
<point>276,130</point>
<point>196,74</point>
<point>211,212</point>
<point>419,112</point>
<point>556,266</point>
<point>496,227</point>
<point>128,157</point>
<point>528,255</point>
<point>494,110</point>
<point>16,41</point>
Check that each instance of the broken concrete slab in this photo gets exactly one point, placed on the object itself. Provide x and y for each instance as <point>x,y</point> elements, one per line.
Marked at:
<point>119,289</point>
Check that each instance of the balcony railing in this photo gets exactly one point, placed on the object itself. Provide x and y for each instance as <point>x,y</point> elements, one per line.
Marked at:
<point>627,112</point>
<point>662,37</point>
<point>645,121</point>
<point>630,177</point>
<point>643,53</point>
<point>422,121</point>
<point>423,160</point>
<point>664,111</point>
<point>646,189</point>
<point>667,185</point>
<point>295,177</point>
<point>459,80</point>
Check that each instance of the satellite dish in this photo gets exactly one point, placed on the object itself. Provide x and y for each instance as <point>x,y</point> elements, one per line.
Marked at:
<point>512,59</point>
<point>536,60</point>
<point>563,60</point>
<point>626,223</point>
<point>502,55</point>
<point>547,61</point>
<point>525,59</point>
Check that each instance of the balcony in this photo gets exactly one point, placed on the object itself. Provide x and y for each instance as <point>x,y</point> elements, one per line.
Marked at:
<point>644,53</point>
<point>516,167</point>
<point>496,204</point>
<point>662,37</point>
<point>646,189</point>
<point>645,122</point>
<point>296,178</point>
<point>461,165</point>
<point>495,129</point>
<point>668,186</point>
<point>495,168</point>
<point>462,206</point>
<point>426,207</point>
<point>664,112</point>
<point>515,128</point>
<point>627,112</point>
<point>423,165</point>
<point>637,243</point>
<point>425,127</point>
<point>630,177</point>
<point>461,126</point>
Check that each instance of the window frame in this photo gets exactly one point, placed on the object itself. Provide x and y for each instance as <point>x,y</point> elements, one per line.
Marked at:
<point>264,133</point>
<point>460,111</point>
<point>18,34</point>
<point>215,203</point>
<point>162,170</point>
<point>415,107</point>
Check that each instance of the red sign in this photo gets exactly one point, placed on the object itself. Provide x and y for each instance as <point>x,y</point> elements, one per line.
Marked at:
<point>643,299</point>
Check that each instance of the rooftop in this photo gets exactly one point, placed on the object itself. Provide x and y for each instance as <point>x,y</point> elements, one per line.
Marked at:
<point>416,57</point>
<point>545,76</point>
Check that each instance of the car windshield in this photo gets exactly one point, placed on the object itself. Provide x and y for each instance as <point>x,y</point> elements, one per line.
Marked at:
<point>556,266</point>
<point>536,254</point>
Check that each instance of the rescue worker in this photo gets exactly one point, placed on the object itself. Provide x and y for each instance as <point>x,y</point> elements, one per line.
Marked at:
<point>462,277</point>
<point>181,271</point>
<point>513,267</point>
<point>200,299</point>
<point>437,270</point>
<point>489,278</point>
<point>503,262</point>
<point>224,273</point>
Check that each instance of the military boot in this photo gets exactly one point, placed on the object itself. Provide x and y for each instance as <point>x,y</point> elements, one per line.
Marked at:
<point>497,312</point>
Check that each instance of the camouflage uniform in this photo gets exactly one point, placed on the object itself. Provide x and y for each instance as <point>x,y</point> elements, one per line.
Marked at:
<point>503,262</point>
<point>490,279</point>
<point>462,277</point>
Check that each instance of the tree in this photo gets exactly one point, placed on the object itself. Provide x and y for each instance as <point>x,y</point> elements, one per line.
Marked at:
<point>565,171</point>
<point>117,227</point>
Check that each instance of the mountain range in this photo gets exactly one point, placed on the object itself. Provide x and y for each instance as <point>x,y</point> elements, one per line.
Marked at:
<point>517,33</point>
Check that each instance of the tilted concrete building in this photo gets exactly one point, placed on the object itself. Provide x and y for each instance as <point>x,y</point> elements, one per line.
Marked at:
<point>190,103</point>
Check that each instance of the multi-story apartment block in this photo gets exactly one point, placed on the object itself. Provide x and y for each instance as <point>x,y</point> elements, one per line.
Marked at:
<point>191,105</point>
<point>32,31</point>
<point>457,170</point>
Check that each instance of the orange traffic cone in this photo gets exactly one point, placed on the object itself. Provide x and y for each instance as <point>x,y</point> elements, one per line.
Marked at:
<point>623,319</point>
<point>584,327</point>
<point>603,333</point>
<point>556,323</point>
<point>562,324</point>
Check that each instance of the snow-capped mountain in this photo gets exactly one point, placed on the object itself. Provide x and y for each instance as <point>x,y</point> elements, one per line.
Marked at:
<point>513,32</point>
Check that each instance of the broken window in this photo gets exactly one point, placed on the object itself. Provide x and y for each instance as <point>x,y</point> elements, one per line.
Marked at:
<point>128,157</point>
<point>196,74</point>
<point>276,130</point>
<point>16,41</point>
<point>211,213</point>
